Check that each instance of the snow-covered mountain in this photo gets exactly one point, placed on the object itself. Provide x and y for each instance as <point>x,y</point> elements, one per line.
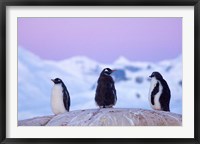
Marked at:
<point>80,75</point>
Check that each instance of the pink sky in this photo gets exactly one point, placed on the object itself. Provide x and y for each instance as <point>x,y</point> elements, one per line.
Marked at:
<point>102,39</point>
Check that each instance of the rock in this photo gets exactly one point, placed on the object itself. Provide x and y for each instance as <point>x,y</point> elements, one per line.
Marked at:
<point>37,121</point>
<point>108,117</point>
<point>119,75</point>
<point>180,83</point>
<point>139,79</point>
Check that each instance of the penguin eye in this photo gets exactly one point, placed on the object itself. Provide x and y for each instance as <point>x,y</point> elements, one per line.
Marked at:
<point>58,80</point>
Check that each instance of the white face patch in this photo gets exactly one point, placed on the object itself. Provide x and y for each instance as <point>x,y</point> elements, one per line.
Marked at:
<point>57,103</point>
<point>156,105</point>
<point>106,70</point>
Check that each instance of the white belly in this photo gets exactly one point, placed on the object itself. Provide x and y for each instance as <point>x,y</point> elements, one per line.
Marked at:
<point>57,104</point>
<point>156,105</point>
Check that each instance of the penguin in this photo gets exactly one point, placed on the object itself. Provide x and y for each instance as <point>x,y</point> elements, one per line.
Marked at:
<point>159,93</point>
<point>106,96</point>
<point>60,98</point>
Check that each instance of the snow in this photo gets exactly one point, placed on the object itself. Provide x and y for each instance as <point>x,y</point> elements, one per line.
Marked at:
<point>80,75</point>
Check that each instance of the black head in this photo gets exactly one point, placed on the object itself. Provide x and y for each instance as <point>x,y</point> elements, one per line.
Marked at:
<point>57,81</point>
<point>157,75</point>
<point>107,71</point>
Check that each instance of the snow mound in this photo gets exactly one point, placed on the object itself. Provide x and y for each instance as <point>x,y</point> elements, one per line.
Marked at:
<point>108,117</point>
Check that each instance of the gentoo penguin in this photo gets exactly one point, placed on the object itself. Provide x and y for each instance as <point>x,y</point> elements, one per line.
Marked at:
<point>60,99</point>
<point>105,96</point>
<point>159,93</point>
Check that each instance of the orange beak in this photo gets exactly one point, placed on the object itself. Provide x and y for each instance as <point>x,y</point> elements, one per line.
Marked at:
<point>114,70</point>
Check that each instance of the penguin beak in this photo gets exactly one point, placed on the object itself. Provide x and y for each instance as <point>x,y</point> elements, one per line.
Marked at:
<point>52,80</point>
<point>151,76</point>
<point>114,70</point>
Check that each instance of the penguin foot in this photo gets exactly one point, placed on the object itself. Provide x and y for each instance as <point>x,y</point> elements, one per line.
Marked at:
<point>109,106</point>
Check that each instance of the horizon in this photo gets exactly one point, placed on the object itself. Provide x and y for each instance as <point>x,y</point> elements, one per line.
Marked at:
<point>84,56</point>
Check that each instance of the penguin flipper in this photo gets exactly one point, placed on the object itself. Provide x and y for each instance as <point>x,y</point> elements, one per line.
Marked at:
<point>111,97</point>
<point>154,92</point>
<point>165,97</point>
<point>114,93</point>
<point>99,99</point>
<point>66,100</point>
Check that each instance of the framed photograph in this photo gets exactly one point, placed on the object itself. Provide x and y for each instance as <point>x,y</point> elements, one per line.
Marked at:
<point>99,71</point>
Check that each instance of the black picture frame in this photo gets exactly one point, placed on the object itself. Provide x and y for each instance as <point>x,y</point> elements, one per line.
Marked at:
<point>5,3</point>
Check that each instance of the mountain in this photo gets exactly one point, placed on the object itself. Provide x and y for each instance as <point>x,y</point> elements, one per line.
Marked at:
<point>80,75</point>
